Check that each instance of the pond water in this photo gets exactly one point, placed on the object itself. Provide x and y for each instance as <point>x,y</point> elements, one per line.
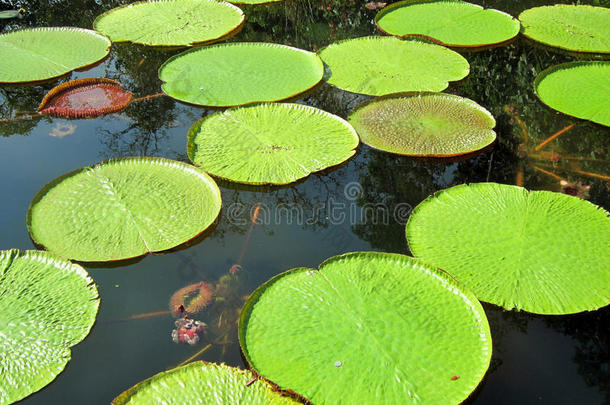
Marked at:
<point>361,205</point>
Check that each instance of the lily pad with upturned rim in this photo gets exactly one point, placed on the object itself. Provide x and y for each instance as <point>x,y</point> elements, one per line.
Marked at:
<point>37,54</point>
<point>578,28</point>
<point>536,251</point>
<point>47,305</point>
<point>385,65</point>
<point>580,89</point>
<point>171,22</point>
<point>123,208</point>
<point>85,98</point>
<point>452,22</point>
<point>240,73</point>
<point>424,124</point>
<point>405,331</point>
<point>203,383</point>
<point>270,143</point>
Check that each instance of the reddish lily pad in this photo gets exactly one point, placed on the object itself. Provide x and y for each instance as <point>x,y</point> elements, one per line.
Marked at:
<point>85,98</point>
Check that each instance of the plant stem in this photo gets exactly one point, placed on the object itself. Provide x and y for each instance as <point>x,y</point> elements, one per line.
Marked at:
<point>555,135</point>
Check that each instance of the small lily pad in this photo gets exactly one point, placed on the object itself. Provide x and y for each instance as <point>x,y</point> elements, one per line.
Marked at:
<point>452,22</point>
<point>270,143</point>
<point>44,53</point>
<point>85,98</point>
<point>123,208</point>
<point>580,89</point>
<point>536,251</point>
<point>425,124</point>
<point>398,326</point>
<point>576,28</point>
<point>47,305</point>
<point>239,73</point>
<point>203,383</point>
<point>170,22</point>
<point>384,65</point>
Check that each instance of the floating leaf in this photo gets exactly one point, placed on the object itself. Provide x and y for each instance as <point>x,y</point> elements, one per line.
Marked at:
<point>203,383</point>
<point>123,208</point>
<point>425,124</point>
<point>47,305</point>
<point>43,53</point>
<point>171,22</point>
<point>580,89</point>
<point>385,65</point>
<point>573,27</point>
<point>452,22</point>
<point>270,143</point>
<point>399,327</point>
<point>536,251</point>
<point>85,98</point>
<point>240,73</point>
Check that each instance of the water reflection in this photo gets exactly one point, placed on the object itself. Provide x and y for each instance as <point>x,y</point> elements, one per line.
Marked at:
<point>360,205</point>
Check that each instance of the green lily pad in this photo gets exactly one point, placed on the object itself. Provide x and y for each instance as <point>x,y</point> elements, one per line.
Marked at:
<point>270,143</point>
<point>424,124</point>
<point>202,383</point>
<point>452,22</point>
<point>47,305</point>
<point>386,65</point>
<point>171,22</point>
<point>123,208</point>
<point>580,89</point>
<point>536,251</point>
<point>44,53</point>
<point>367,328</point>
<point>572,27</point>
<point>240,73</point>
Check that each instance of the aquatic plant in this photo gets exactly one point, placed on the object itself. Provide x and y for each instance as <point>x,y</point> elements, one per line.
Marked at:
<point>452,23</point>
<point>47,305</point>
<point>171,22</point>
<point>191,299</point>
<point>222,75</point>
<point>123,208</point>
<point>578,28</point>
<point>36,54</point>
<point>270,143</point>
<point>203,383</point>
<point>535,251</point>
<point>580,89</point>
<point>85,98</point>
<point>424,124</point>
<point>406,331</point>
<point>384,65</point>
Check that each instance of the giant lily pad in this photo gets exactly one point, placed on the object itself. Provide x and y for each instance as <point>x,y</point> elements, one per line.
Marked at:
<point>44,53</point>
<point>123,208</point>
<point>385,65</point>
<point>425,124</point>
<point>47,305</point>
<point>85,98</point>
<point>270,143</point>
<point>452,22</point>
<point>580,89</point>
<point>405,331</point>
<point>536,251</point>
<point>203,383</point>
<point>240,73</point>
<point>573,27</point>
<point>170,22</point>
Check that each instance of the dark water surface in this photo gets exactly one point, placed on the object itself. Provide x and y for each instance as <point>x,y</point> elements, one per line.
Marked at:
<point>536,359</point>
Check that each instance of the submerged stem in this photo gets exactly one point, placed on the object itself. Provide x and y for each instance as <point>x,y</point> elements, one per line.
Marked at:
<point>555,135</point>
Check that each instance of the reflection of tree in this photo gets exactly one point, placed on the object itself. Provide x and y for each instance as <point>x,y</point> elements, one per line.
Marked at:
<point>591,332</point>
<point>307,24</point>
